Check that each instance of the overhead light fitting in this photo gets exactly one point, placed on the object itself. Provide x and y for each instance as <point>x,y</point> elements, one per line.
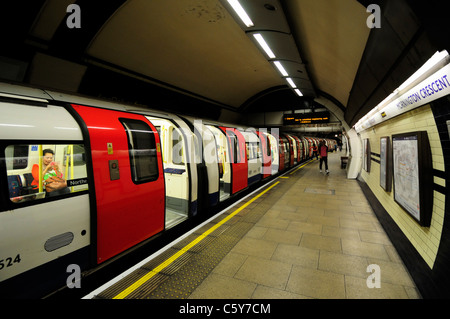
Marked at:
<point>241,13</point>
<point>264,45</point>
<point>280,68</point>
<point>291,83</point>
<point>245,18</point>
<point>299,93</point>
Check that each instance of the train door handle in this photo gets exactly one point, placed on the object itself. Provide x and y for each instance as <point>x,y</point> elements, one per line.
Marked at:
<point>114,170</point>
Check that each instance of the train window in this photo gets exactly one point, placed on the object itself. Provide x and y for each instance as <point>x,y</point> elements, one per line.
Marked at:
<point>142,150</point>
<point>19,156</point>
<point>77,153</point>
<point>40,171</point>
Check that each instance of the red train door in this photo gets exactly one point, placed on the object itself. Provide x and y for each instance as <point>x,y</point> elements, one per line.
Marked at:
<point>238,158</point>
<point>281,151</point>
<point>129,180</point>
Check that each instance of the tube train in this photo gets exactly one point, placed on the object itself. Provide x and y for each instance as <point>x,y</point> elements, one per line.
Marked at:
<point>84,180</point>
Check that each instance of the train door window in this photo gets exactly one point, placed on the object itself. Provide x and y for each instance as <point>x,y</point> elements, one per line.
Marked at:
<point>142,151</point>
<point>41,171</point>
<point>235,152</point>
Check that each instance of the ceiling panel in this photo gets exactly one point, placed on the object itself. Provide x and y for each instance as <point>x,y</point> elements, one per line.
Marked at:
<point>332,35</point>
<point>265,15</point>
<point>193,45</point>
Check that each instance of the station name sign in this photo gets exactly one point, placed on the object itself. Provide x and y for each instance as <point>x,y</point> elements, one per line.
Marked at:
<point>432,88</point>
<point>306,118</point>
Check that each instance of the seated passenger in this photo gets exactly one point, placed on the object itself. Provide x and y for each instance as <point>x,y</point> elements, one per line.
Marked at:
<point>52,177</point>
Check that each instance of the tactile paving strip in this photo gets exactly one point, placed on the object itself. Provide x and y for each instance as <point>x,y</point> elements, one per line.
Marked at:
<point>180,278</point>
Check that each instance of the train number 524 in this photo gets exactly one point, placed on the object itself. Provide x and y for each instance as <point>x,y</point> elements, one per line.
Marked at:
<point>8,262</point>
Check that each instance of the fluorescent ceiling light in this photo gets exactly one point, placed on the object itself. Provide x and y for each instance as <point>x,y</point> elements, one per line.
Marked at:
<point>280,68</point>
<point>434,60</point>
<point>291,83</point>
<point>264,45</point>
<point>241,13</point>
<point>298,92</point>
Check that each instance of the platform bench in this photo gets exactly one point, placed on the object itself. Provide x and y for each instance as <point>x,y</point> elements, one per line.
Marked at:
<point>344,161</point>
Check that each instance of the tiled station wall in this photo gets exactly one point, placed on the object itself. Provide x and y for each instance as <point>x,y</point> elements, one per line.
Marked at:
<point>431,243</point>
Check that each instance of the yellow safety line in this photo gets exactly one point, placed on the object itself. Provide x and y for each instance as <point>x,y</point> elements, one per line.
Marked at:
<point>300,167</point>
<point>170,260</point>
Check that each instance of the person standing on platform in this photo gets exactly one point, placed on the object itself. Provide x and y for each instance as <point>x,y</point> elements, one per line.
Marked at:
<point>315,151</point>
<point>323,153</point>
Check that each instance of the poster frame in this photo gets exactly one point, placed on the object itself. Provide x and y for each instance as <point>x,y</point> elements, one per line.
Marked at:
<point>385,163</point>
<point>366,155</point>
<point>424,172</point>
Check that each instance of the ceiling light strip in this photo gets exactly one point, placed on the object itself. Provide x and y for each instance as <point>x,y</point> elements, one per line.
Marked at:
<point>281,68</point>
<point>299,93</point>
<point>264,45</point>
<point>245,18</point>
<point>291,83</point>
<point>241,13</point>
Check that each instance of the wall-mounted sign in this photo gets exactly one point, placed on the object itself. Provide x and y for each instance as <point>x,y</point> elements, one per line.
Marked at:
<point>306,118</point>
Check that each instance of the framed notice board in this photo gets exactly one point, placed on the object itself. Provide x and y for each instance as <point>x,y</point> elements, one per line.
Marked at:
<point>366,155</point>
<point>412,174</point>
<point>385,163</point>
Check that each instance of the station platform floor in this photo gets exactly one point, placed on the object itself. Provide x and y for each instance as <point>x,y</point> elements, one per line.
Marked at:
<point>306,235</point>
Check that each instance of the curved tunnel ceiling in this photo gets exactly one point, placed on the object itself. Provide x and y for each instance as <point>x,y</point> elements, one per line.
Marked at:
<point>193,45</point>
<point>198,49</point>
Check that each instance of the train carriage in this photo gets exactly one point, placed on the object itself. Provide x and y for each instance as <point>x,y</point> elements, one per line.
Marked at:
<point>43,226</point>
<point>85,180</point>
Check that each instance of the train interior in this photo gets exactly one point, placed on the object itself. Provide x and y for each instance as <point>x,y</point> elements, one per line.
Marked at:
<point>274,153</point>
<point>224,163</point>
<point>23,162</point>
<point>176,173</point>
<point>254,156</point>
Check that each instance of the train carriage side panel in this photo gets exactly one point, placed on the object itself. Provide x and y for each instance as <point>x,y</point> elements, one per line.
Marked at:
<point>286,152</point>
<point>266,152</point>
<point>281,153</point>
<point>189,154</point>
<point>209,153</point>
<point>293,146</point>
<point>41,231</point>
<point>299,148</point>
<point>253,150</point>
<point>291,150</point>
<point>274,151</point>
<point>129,183</point>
